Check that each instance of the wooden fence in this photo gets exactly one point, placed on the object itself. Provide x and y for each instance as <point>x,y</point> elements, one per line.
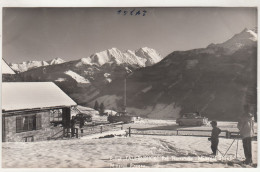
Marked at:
<point>180,132</point>
<point>95,129</point>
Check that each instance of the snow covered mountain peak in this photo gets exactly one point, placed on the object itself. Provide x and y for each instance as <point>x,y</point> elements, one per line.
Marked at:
<point>142,57</point>
<point>149,54</point>
<point>24,66</point>
<point>114,49</point>
<point>56,61</point>
<point>245,38</point>
<point>246,34</point>
<point>146,49</point>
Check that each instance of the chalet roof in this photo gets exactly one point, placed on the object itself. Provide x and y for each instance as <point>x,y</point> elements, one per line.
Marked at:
<point>33,95</point>
<point>6,69</point>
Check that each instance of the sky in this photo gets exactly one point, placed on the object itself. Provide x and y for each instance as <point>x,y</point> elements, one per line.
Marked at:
<point>74,33</point>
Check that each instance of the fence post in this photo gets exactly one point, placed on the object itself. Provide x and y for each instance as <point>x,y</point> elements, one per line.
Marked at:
<point>77,132</point>
<point>177,132</point>
<point>129,132</point>
<point>68,132</point>
<point>72,132</point>
<point>227,134</point>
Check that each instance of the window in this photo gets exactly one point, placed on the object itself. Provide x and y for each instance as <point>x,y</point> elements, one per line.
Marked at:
<point>56,115</point>
<point>28,123</point>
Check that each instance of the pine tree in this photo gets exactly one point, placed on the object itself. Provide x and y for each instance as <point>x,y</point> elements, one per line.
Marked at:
<point>96,106</point>
<point>102,108</point>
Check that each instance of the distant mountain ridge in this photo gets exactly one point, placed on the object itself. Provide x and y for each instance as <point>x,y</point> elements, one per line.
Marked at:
<point>140,58</point>
<point>24,66</point>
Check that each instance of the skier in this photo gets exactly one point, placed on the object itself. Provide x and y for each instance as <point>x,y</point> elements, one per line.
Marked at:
<point>214,137</point>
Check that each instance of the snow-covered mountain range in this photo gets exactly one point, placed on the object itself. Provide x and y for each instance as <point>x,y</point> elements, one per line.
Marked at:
<point>24,66</point>
<point>140,58</point>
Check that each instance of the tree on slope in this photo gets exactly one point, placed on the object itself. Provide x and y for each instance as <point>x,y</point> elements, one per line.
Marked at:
<point>102,108</point>
<point>96,106</point>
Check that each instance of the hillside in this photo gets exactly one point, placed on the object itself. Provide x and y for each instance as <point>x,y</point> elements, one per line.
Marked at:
<point>217,80</point>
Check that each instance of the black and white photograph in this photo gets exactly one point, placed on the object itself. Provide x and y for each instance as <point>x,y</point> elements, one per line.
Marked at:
<point>129,87</point>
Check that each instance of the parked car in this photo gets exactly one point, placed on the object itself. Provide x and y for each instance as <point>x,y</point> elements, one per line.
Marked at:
<point>192,119</point>
<point>120,117</point>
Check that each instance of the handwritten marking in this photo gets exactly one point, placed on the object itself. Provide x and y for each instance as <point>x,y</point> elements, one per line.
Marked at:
<point>132,12</point>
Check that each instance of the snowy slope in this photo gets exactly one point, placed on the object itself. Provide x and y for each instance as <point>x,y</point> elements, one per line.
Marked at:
<point>77,77</point>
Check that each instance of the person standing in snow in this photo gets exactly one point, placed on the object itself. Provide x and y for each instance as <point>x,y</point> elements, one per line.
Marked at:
<point>81,123</point>
<point>246,128</point>
<point>214,137</point>
<point>72,125</point>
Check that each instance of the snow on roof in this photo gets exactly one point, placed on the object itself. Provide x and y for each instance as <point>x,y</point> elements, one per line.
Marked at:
<point>83,108</point>
<point>6,69</point>
<point>87,110</point>
<point>32,95</point>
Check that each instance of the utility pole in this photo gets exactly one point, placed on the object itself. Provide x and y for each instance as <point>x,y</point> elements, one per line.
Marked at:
<point>125,95</point>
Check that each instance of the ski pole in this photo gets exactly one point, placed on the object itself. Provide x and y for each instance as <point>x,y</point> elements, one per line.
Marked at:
<point>220,152</point>
<point>229,147</point>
